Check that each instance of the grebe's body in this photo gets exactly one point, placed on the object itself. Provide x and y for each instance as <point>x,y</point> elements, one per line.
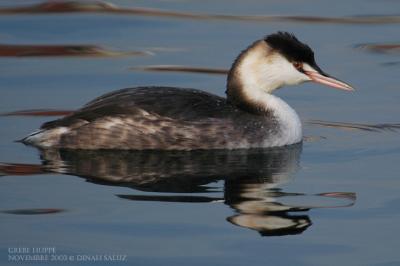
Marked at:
<point>186,119</point>
<point>180,119</point>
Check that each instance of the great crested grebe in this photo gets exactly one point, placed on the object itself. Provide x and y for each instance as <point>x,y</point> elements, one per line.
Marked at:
<point>186,119</point>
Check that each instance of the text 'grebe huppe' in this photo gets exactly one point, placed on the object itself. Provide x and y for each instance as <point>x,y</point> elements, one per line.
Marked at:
<point>186,119</point>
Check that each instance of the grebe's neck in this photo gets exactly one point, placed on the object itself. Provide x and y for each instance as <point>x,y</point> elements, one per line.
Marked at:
<point>254,75</point>
<point>251,82</point>
<point>242,84</point>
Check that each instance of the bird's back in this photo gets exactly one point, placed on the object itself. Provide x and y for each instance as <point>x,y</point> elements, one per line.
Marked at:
<point>156,118</point>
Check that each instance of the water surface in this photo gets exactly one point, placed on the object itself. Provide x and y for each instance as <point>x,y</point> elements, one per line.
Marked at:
<point>332,201</point>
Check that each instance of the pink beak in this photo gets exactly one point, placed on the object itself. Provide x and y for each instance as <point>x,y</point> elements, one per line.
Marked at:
<point>329,81</point>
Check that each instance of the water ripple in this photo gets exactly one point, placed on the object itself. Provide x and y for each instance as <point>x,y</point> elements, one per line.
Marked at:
<point>357,126</point>
<point>108,8</point>
<point>33,211</point>
<point>252,181</point>
<point>383,48</point>
<point>180,68</point>
<point>38,112</point>
<point>17,50</point>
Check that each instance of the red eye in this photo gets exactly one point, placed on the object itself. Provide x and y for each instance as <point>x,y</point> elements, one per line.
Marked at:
<point>298,65</point>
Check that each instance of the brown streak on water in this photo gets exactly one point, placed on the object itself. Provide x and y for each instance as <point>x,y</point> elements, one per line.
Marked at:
<point>179,68</point>
<point>12,169</point>
<point>35,211</point>
<point>381,47</point>
<point>104,7</point>
<point>39,112</point>
<point>357,126</point>
<point>13,50</point>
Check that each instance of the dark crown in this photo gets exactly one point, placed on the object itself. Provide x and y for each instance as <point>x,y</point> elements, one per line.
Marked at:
<point>290,47</point>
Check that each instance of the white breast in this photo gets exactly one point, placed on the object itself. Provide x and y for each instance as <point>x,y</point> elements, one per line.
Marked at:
<point>289,122</point>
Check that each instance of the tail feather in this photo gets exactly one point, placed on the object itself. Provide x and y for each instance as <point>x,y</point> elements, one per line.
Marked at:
<point>28,139</point>
<point>44,137</point>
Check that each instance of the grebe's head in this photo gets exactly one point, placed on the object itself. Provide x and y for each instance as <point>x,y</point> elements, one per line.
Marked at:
<point>277,60</point>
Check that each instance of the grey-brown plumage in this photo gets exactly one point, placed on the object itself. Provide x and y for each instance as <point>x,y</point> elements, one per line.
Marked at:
<point>159,118</point>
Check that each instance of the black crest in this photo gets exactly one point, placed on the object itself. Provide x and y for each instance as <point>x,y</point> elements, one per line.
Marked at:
<point>290,47</point>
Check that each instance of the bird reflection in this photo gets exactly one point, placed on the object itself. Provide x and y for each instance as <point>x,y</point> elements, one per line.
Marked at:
<point>177,171</point>
<point>252,181</point>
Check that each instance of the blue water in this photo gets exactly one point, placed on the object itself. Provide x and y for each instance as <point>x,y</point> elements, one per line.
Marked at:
<point>202,208</point>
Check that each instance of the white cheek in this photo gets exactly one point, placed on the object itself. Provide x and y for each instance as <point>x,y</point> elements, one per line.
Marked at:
<point>284,73</point>
<point>266,76</point>
<point>295,77</point>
